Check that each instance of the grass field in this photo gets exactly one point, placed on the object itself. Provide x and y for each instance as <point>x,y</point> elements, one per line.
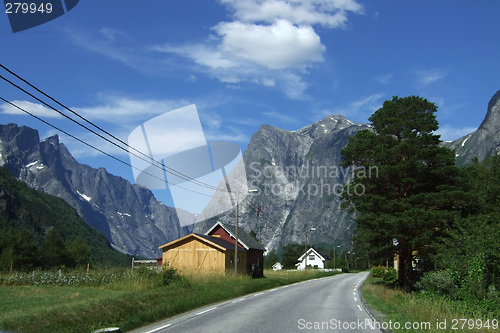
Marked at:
<point>127,302</point>
<point>423,313</point>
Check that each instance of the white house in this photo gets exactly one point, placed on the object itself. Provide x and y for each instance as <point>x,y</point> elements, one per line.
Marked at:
<point>311,258</point>
<point>277,266</point>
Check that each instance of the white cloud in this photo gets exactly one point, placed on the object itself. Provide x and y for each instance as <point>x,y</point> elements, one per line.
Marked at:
<point>280,45</point>
<point>111,34</point>
<point>328,13</point>
<point>358,110</point>
<point>269,42</point>
<point>34,108</point>
<point>384,79</point>
<point>426,77</point>
<point>124,110</point>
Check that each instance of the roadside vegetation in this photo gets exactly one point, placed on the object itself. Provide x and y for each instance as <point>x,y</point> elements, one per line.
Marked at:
<point>440,223</point>
<point>425,312</point>
<point>77,301</point>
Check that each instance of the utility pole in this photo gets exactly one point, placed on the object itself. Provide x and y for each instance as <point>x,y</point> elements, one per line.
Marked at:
<point>305,251</point>
<point>334,255</point>
<point>236,233</point>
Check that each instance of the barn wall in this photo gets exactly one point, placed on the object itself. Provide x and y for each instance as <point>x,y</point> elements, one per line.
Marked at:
<point>255,257</point>
<point>242,265</point>
<point>194,257</point>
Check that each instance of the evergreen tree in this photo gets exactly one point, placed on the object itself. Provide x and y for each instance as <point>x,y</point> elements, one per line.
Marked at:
<point>271,259</point>
<point>290,254</point>
<point>78,252</point>
<point>52,251</point>
<point>410,194</point>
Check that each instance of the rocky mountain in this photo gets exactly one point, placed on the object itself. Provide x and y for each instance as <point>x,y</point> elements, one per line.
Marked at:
<point>297,174</point>
<point>485,140</point>
<point>129,215</point>
<point>298,177</point>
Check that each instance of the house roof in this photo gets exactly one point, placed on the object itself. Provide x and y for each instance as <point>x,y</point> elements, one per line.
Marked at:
<point>244,238</point>
<point>225,244</point>
<point>311,250</point>
<point>210,240</point>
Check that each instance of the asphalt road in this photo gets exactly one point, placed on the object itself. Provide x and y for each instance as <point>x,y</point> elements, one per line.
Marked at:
<point>329,304</point>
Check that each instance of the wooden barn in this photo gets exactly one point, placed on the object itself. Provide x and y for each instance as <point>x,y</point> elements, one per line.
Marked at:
<point>213,252</point>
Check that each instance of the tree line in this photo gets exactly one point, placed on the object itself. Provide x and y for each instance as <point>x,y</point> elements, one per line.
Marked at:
<point>38,230</point>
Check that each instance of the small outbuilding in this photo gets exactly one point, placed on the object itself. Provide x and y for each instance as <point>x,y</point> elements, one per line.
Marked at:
<point>213,252</point>
<point>277,266</point>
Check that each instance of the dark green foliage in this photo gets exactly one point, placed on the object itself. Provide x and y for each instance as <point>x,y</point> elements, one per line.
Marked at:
<point>390,275</point>
<point>78,252</point>
<point>52,251</point>
<point>414,196</point>
<point>290,254</point>
<point>40,230</point>
<point>271,259</point>
<point>253,233</point>
<point>470,256</point>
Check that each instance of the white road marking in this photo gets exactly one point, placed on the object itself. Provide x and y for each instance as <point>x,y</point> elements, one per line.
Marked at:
<point>238,300</point>
<point>359,307</point>
<point>159,328</point>
<point>207,310</point>
<point>355,299</point>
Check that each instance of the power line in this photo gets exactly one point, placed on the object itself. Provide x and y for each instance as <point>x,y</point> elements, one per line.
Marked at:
<point>94,147</point>
<point>149,159</point>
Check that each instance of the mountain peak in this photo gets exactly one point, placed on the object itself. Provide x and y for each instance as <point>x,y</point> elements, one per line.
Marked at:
<point>492,119</point>
<point>326,125</point>
<point>21,137</point>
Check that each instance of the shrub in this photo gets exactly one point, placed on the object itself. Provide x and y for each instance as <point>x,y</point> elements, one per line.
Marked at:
<point>439,283</point>
<point>390,275</point>
<point>378,271</point>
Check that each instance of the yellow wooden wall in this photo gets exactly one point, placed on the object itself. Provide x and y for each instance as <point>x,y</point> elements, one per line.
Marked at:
<point>193,256</point>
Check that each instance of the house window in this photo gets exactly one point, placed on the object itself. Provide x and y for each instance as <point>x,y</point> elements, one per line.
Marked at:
<point>231,260</point>
<point>311,257</point>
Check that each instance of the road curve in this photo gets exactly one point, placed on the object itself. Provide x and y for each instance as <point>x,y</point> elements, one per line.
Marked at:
<point>330,304</point>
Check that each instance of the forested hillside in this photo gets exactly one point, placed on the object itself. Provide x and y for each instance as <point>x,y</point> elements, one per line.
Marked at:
<point>40,230</point>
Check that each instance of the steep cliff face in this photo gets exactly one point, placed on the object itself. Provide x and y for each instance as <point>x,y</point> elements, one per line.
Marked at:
<point>485,140</point>
<point>132,219</point>
<point>298,177</point>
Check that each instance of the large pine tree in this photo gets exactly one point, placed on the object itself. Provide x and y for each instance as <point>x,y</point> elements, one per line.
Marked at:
<point>410,196</point>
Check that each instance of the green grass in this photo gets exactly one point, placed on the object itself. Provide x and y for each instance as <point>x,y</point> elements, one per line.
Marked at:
<point>417,309</point>
<point>128,303</point>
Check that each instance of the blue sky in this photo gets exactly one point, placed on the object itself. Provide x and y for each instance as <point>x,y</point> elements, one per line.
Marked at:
<point>244,63</point>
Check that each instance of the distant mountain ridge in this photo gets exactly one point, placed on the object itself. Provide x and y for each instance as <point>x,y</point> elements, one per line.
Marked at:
<point>129,215</point>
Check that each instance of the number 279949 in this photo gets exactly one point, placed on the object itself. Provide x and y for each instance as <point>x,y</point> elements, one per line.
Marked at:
<point>27,8</point>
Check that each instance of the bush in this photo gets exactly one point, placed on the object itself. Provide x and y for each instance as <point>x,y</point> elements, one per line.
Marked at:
<point>378,271</point>
<point>169,275</point>
<point>439,283</point>
<point>390,275</point>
